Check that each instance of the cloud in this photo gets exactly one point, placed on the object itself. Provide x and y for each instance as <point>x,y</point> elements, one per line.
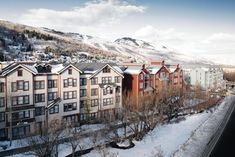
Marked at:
<point>217,47</point>
<point>220,37</point>
<point>93,15</point>
<point>168,36</point>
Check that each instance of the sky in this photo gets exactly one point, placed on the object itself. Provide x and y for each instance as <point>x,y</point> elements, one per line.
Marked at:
<point>202,28</point>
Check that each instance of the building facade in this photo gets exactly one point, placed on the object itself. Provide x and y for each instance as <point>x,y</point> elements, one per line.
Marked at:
<point>34,95</point>
<point>207,78</point>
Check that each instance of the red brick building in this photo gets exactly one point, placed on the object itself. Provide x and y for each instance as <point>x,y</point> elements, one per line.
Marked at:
<point>137,81</point>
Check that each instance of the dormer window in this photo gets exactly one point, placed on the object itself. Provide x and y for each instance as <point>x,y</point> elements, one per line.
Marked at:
<point>20,73</point>
<point>70,71</point>
<point>106,70</point>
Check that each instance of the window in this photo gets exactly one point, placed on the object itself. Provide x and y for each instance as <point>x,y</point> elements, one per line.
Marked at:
<point>146,84</point>
<point>2,116</point>
<point>39,98</point>
<point>13,87</point>
<point>94,91</point>
<point>141,76</point>
<point>20,100</point>
<point>71,118</point>
<point>117,79</point>
<point>83,81</point>
<point>54,109</point>
<point>21,115</point>
<point>39,111</point>
<point>1,87</point>
<point>141,85</point>
<point>2,102</point>
<point>20,85</point>
<point>107,101</point>
<point>106,80</point>
<point>26,86</point>
<point>39,84</point>
<point>21,131</point>
<point>2,133</point>
<point>94,102</point>
<point>66,83</point>
<point>118,89</point>
<point>82,103</point>
<point>162,75</point>
<point>52,83</point>
<point>107,69</point>
<point>82,92</point>
<point>70,82</point>
<point>20,73</point>
<point>70,107</point>
<point>94,81</point>
<point>117,99</point>
<point>52,96</point>
<point>70,95</point>
<point>175,80</point>
<point>107,90</point>
<point>93,116</point>
<point>70,72</point>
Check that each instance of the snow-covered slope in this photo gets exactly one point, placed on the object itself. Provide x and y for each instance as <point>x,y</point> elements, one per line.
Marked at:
<point>47,44</point>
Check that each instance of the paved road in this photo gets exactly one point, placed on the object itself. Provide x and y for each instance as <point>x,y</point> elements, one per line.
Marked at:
<point>225,146</point>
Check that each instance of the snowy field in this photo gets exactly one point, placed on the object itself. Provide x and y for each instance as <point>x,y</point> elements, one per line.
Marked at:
<point>183,138</point>
<point>176,139</point>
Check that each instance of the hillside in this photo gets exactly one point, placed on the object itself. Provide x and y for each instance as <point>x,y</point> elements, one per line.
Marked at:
<point>21,42</point>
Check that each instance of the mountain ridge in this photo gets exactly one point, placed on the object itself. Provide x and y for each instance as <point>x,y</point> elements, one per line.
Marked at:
<point>22,42</point>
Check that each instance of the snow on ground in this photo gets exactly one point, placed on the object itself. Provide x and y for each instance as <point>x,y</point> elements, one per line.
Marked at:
<point>200,137</point>
<point>175,136</point>
<point>168,136</point>
<point>184,138</point>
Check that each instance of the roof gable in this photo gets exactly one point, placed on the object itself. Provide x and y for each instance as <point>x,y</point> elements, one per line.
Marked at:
<point>68,66</point>
<point>12,68</point>
<point>114,69</point>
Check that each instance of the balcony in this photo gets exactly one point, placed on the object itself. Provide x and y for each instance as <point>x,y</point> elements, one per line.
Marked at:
<point>20,122</point>
<point>20,107</point>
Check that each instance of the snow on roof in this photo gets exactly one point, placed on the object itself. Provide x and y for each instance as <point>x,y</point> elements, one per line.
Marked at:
<point>154,69</point>
<point>132,71</point>
<point>31,67</point>
<point>118,69</point>
<point>55,68</point>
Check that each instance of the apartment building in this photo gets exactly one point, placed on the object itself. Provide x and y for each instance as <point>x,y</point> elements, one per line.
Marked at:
<point>32,95</point>
<point>160,76</point>
<point>176,76</point>
<point>137,81</point>
<point>207,78</point>
<point>100,90</point>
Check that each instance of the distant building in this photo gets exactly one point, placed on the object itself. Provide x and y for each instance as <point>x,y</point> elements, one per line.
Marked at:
<point>141,79</point>
<point>207,78</point>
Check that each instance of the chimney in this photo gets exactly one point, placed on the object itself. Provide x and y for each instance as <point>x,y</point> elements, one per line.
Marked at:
<point>163,63</point>
<point>143,66</point>
<point>178,66</point>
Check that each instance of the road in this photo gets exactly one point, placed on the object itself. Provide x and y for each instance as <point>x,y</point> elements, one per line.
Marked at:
<point>225,147</point>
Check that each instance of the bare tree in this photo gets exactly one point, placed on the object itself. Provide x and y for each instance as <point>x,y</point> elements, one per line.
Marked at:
<point>74,135</point>
<point>45,144</point>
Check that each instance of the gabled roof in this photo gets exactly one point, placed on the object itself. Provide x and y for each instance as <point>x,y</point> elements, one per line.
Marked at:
<point>94,68</point>
<point>135,70</point>
<point>66,67</point>
<point>13,66</point>
<point>34,68</point>
<point>154,69</point>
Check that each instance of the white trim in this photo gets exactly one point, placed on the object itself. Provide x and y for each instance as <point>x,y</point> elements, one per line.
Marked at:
<point>103,68</point>
<point>62,70</point>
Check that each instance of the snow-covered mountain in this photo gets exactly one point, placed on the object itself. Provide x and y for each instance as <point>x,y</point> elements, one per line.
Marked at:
<point>29,43</point>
